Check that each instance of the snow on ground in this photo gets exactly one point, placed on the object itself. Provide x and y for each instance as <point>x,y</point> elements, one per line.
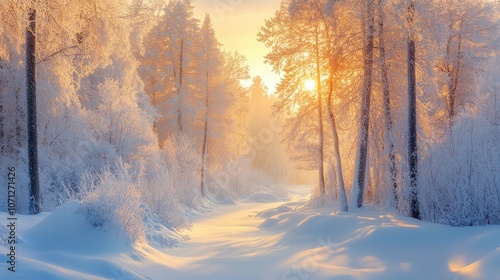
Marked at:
<point>261,237</point>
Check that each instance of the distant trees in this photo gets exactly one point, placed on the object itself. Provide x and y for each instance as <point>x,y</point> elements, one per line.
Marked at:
<point>195,87</point>
<point>378,50</point>
<point>269,156</point>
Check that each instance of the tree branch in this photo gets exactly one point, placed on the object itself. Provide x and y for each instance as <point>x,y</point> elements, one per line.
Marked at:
<point>56,53</point>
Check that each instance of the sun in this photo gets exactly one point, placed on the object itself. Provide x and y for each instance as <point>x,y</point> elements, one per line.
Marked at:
<point>309,85</point>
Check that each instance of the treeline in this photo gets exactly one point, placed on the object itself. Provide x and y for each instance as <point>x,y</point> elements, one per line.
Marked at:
<point>139,108</point>
<point>415,82</point>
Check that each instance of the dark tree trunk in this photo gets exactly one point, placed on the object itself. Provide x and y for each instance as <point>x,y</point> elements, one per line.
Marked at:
<point>389,124</point>
<point>362,153</point>
<point>35,201</point>
<point>412,116</point>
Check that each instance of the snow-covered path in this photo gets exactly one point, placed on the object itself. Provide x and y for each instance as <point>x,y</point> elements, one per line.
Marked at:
<point>227,243</point>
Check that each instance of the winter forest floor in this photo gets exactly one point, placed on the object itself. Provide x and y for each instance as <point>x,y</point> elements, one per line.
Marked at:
<point>260,237</point>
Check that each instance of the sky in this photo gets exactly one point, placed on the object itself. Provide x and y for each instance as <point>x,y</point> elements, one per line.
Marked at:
<point>236,23</point>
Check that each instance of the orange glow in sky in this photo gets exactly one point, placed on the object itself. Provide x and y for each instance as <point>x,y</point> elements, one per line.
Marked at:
<point>236,23</point>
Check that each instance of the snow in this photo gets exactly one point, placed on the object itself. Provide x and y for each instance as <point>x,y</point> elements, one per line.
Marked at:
<point>262,237</point>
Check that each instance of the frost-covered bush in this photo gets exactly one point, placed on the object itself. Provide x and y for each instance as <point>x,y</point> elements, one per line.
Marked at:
<point>158,193</point>
<point>184,165</point>
<point>135,199</point>
<point>113,200</point>
<point>459,180</point>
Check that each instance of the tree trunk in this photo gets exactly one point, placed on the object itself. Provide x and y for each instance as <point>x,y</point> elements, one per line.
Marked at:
<point>454,77</point>
<point>362,152</point>
<point>412,115</point>
<point>389,124</point>
<point>35,203</point>
<point>321,169</point>
<point>205,140</point>
<point>179,89</point>
<point>338,162</point>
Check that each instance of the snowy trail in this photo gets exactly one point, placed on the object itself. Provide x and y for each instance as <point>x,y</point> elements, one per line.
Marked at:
<point>227,243</point>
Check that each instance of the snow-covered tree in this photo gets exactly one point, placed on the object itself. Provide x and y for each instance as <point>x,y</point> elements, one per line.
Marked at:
<point>295,36</point>
<point>168,68</point>
<point>209,70</point>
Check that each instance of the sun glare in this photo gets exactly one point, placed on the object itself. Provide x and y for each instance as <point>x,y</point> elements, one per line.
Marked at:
<point>309,84</point>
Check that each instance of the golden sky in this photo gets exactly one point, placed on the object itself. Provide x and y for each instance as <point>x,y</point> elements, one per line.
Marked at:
<point>236,23</point>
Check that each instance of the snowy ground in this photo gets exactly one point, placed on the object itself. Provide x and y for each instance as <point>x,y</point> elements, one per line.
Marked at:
<point>257,238</point>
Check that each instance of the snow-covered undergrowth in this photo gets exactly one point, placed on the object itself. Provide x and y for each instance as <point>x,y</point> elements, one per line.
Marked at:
<point>153,199</point>
<point>114,200</point>
<point>460,177</point>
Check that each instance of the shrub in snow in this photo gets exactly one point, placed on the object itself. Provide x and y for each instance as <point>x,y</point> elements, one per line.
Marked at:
<point>460,178</point>
<point>158,193</point>
<point>113,200</point>
<point>184,164</point>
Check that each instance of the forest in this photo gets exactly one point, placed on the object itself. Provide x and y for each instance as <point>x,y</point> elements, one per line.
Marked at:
<point>141,112</point>
<point>135,143</point>
<point>415,82</point>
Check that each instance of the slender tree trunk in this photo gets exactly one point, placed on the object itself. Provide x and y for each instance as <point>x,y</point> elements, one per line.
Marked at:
<point>412,115</point>
<point>180,89</point>
<point>389,124</point>
<point>362,152</point>
<point>338,162</point>
<point>454,77</point>
<point>35,201</point>
<point>205,140</point>
<point>320,120</point>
